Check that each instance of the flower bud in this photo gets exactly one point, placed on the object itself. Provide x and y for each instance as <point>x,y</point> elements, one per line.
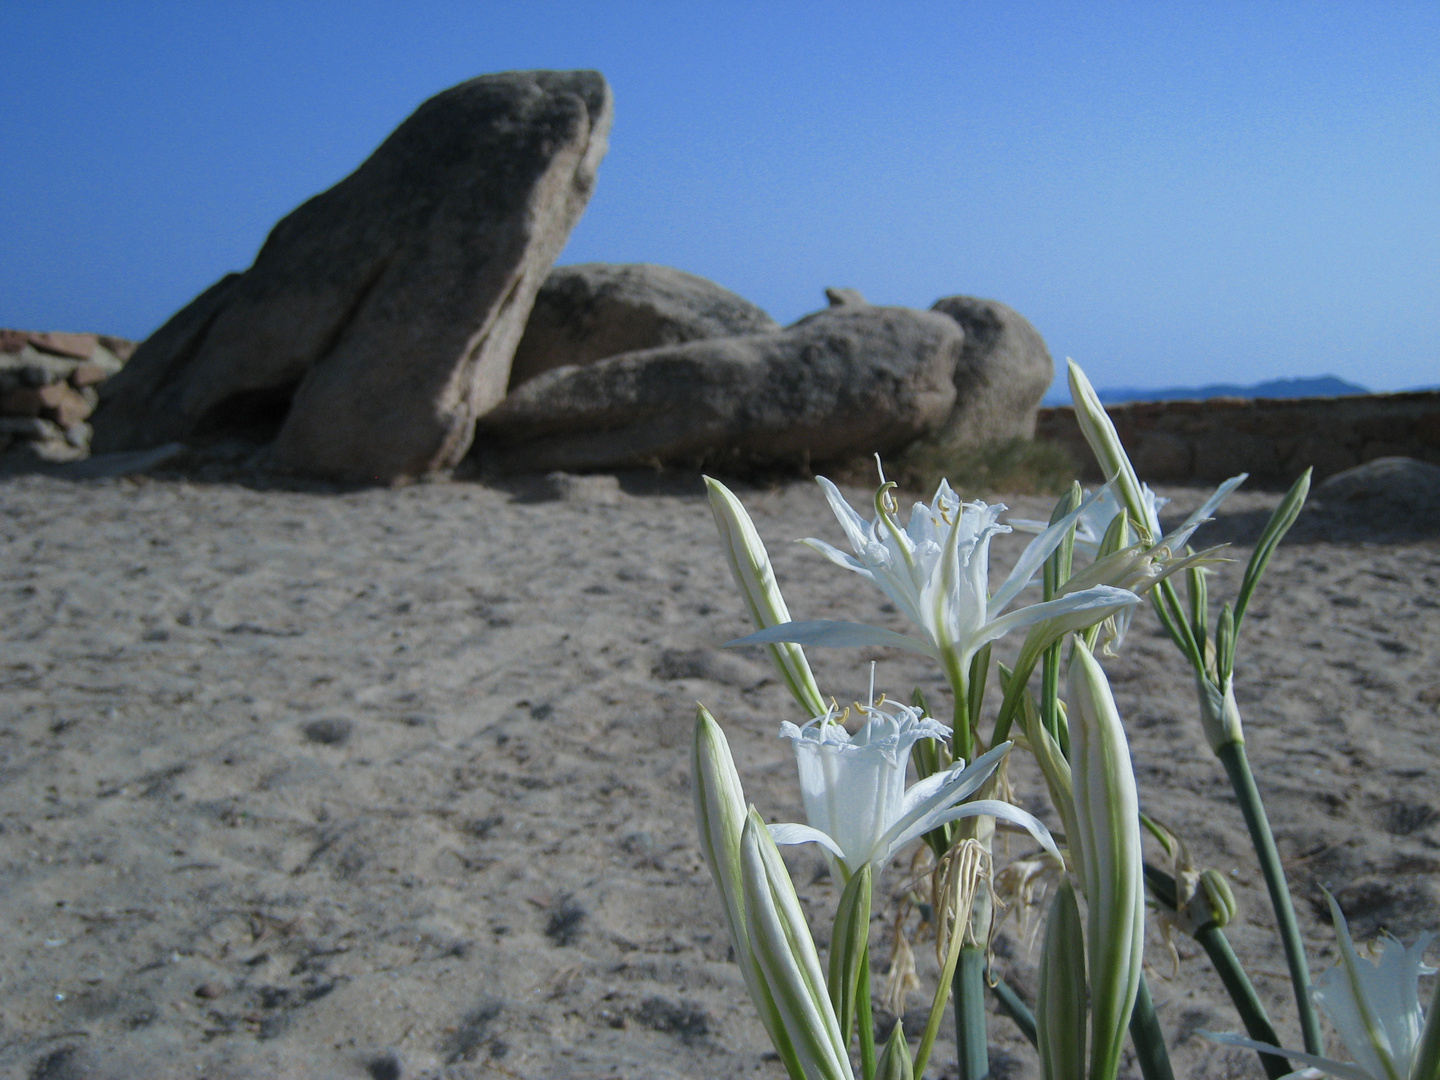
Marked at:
<point>1212,903</point>
<point>1099,431</point>
<point>1107,814</point>
<point>1219,712</point>
<point>895,1063</point>
<point>750,566</point>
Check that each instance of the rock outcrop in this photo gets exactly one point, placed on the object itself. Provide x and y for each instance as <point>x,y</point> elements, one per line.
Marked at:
<point>1004,371</point>
<point>380,317</point>
<point>48,389</point>
<point>593,311</point>
<point>851,380</point>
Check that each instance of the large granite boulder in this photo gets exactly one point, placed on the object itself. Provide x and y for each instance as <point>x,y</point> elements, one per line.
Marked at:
<point>1004,371</point>
<point>848,381</point>
<point>589,312</point>
<point>380,317</point>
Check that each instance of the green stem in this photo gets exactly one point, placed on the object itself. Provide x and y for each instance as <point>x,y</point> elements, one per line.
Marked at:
<point>867,1022</point>
<point>937,1007</point>
<point>970,1037</point>
<point>1227,965</point>
<point>961,739</point>
<point>1147,1038</point>
<point>1013,1006</point>
<point>1427,1052</point>
<point>1237,766</point>
<point>1242,992</point>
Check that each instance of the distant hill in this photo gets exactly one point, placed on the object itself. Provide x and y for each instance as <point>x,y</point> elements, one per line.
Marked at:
<point>1320,386</point>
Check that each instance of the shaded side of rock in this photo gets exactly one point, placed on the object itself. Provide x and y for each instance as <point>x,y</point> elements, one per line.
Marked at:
<point>849,381</point>
<point>380,317</point>
<point>592,311</point>
<point>1003,372</point>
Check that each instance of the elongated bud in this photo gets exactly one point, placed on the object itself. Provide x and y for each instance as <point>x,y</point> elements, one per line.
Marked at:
<point>848,939</point>
<point>1060,1005</point>
<point>750,566</point>
<point>1219,712</point>
<point>1099,431</point>
<point>1213,902</point>
<point>895,1063</point>
<point>1107,814</point>
<point>720,816</point>
<point>785,953</point>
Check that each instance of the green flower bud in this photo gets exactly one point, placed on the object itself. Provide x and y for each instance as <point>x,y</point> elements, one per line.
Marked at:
<point>750,566</point>
<point>1213,902</point>
<point>895,1061</point>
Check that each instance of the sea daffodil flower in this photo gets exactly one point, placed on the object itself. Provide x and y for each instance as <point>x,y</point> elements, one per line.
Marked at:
<point>1375,1006</point>
<point>937,571</point>
<point>853,787</point>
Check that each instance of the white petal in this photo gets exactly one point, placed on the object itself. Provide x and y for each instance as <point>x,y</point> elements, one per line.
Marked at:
<point>803,834</point>
<point>1035,553</point>
<point>857,529</point>
<point>979,808</point>
<point>828,632</point>
<point>1176,540</point>
<point>1326,1065</point>
<point>838,557</point>
<point>1076,605</point>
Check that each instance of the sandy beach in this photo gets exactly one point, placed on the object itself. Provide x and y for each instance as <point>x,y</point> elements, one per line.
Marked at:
<point>302,781</point>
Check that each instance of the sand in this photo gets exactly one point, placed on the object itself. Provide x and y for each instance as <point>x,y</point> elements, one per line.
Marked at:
<point>308,782</point>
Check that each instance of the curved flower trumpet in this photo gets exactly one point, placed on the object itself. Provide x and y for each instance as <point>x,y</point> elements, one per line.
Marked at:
<point>853,787</point>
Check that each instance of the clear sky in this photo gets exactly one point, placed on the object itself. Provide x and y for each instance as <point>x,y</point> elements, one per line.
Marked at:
<point>1174,193</point>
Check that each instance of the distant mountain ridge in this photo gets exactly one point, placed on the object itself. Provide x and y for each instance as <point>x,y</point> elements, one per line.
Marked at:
<point>1319,386</point>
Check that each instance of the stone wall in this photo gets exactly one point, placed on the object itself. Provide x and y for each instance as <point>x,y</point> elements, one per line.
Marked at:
<point>1274,440</point>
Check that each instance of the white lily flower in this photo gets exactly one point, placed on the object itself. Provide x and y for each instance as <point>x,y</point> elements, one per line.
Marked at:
<point>1094,520</point>
<point>937,571</point>
<point>853,787</point>
<point>1375,1007</point>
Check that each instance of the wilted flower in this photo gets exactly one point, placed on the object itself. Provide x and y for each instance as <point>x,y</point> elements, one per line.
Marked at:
<point>1375,1006</point>
<point>853,786</point>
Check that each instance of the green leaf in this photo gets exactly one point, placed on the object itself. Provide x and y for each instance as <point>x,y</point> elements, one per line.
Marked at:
<point>1275,530</point>
<point>1060,1008</point>
<point>849,940</point>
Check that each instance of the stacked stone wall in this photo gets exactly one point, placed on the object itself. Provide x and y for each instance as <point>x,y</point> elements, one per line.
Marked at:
<point>1274,440</point>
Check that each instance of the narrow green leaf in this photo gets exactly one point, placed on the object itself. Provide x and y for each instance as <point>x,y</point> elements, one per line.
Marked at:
<point>849,939</point>
<point>1199,605</point>
<point>1060,1008</point>
<point>1275,530</point>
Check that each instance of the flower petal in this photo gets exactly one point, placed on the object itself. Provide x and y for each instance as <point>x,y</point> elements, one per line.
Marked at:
<point>1176,540</point>
<point>1035,553</point>
<point>791,833</point>
<point>829,632</point>
<point>838,557</point>
<point>857,529</point>
<point>1327,1065</point>
<point>979,808</point>
<point>1075,610</point>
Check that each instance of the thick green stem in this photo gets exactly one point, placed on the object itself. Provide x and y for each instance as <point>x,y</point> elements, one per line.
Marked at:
<point>867,1021</point>
<point>1148,1039</point>
<point>1227,965</point>
<point>1242,992</point>
<point>1013,1006</point>
<point>970,1038</point>
<point>1237,766</point>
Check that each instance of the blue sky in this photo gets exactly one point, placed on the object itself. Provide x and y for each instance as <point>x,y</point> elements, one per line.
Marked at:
<point>1174,193</point>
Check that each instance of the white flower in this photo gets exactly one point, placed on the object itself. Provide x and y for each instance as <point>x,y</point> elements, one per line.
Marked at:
<point>937,571</point>
<point>1375,1007</point>
<point>853,786</point>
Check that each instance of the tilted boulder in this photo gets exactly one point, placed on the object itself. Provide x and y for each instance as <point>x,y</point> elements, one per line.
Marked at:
<point>380,317</point>
<point>1004,371</point>
<point>848,381</point>
<point>592,311</point>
